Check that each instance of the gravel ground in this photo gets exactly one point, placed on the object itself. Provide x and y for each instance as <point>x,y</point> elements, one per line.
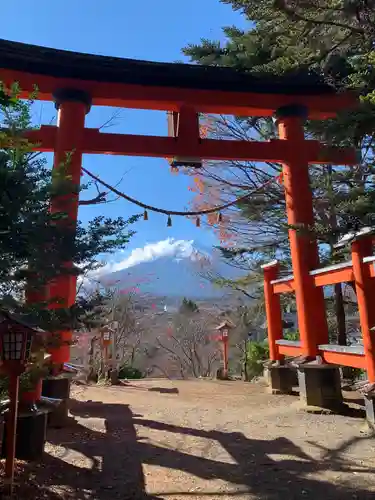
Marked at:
<point>193,440</point>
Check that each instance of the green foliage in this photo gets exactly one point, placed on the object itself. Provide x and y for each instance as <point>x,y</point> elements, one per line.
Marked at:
<point>355,374</point>
<point>325,40</point>
<point>34,244</point>
<point>188,306</point>
<point>329,40</point>
<point>256,354</point>
<point>291,336</point>
<point>28,382</point>
<point>130,372</point>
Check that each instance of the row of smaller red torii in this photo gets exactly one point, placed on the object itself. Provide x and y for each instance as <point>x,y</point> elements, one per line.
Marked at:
<point>313,342</point>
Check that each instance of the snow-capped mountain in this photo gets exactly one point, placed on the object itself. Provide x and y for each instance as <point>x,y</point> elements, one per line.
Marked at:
<point>171,268</point>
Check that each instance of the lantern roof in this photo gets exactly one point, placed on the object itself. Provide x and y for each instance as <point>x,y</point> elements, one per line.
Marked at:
<point>19,320</point>
<point>226,324</point>
<point>58,63</point>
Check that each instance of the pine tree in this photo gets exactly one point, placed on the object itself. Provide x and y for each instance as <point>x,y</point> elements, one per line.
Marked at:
<point>331,40</point>
<point>33,244</point>
<point>188,306</point>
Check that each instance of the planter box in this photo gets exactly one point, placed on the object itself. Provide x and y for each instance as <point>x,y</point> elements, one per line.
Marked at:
<point>57,388</point>
<point>31,435</point>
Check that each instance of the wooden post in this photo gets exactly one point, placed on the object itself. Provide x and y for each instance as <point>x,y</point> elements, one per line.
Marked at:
<point>106,367</point>
<point>225,356</point>
<point>365,298</point>
<point>11,430</point>
<point>184,126</point>
<point>304,251</point>
<point>273,310</point>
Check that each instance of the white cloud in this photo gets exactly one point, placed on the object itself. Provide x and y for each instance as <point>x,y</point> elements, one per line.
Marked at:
<point>165,248</point>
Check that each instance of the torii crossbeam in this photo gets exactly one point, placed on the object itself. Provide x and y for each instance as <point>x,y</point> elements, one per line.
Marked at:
<point>76,81</point>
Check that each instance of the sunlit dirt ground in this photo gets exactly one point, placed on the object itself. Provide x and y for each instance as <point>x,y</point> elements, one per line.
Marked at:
<point>191,440</point>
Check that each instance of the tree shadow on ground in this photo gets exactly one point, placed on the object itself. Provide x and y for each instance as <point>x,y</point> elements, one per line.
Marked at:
<point>27,486</point>
<point>266,478</point>
<point>118,454</point>
<point>164,390</point>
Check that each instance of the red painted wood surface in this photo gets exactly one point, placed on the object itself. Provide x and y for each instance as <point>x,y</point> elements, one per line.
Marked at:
<point>273,312</point>
<point>171,99</point>
<point>312,320</point>
<point>32,396</point>
<point>68,140</point>
<point>95,142</point>
<point>344,359</point>
<point>290,350</point>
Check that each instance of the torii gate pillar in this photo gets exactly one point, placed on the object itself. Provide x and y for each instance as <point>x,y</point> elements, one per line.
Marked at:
<point>303,246</point>
<point>319,384</point>
<point>72,107</point>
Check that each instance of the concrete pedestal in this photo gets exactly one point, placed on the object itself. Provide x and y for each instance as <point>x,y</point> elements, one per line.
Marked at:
<point>58,388</point>
<point>320,386</point>
<point>31,435</point>
<point>281,379</point>
<point>221,375</point>
<point>370,409</point>
<point>114,377</point>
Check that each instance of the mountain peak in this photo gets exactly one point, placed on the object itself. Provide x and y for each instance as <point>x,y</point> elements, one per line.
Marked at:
<point>167,268</point>
<point>170,247</point>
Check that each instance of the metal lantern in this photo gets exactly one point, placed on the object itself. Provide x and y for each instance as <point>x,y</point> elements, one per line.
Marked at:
<point>106,336</point>
<point>16,340</point>
<point>224,332</point>
<point>224,328</point>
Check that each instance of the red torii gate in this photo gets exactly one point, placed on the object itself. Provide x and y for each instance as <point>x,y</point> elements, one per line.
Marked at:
<point>75,81</point>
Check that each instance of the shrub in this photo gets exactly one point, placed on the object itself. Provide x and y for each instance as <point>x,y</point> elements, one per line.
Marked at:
<point>28,381</point>
<point>256,354</point>
<point>354,374</point>
<point>129,372</point>
<point>291,335</point>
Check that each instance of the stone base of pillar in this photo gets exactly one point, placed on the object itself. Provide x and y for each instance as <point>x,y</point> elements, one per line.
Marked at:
<point>31,435</point>
<point>370,410</point>
<point>221,375</point>
<point>281,379</point>
<point>59,417</point>
<point>58,388</point>
<point>320,386</point>
<point>114,377</point>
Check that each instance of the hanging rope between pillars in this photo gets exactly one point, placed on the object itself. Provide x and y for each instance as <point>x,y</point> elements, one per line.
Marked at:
<point>207,211</point>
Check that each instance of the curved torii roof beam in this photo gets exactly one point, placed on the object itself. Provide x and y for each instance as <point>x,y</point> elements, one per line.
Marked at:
<point>113,81</point>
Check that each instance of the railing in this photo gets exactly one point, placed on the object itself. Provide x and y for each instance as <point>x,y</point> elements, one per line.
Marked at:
<point>360,271</point>
<point>338,273</point>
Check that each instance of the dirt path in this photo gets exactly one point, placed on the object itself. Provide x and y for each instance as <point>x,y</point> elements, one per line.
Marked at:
<point>194,440</point>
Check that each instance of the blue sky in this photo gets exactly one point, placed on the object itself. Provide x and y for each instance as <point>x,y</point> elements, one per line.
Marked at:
<point>148,29</point>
